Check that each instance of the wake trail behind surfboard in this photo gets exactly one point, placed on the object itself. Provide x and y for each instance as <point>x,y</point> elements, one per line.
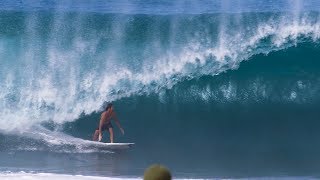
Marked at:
<point>43,139</point>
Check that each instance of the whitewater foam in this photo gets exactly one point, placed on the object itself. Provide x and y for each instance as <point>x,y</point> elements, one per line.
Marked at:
<point>41,139</point>
<point>49,176</point>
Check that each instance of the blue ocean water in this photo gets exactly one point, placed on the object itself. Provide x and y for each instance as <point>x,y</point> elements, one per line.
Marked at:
<point>210,89</point>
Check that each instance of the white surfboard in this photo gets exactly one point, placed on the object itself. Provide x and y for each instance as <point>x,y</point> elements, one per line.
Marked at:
<point>116,145</point>
<point>110,146</point>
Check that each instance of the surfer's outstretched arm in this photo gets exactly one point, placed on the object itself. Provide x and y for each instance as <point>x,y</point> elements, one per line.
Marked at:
<point>116,120</point>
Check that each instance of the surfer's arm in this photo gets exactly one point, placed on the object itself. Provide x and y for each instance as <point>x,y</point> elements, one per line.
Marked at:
<point>116,120</point>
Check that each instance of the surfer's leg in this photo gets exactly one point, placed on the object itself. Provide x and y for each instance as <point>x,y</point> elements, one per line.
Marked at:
<point>95,135</point>
<point>111,135</point>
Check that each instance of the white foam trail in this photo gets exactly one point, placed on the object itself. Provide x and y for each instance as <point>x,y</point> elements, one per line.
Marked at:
<point>50,176</point>
<point>53,141</point>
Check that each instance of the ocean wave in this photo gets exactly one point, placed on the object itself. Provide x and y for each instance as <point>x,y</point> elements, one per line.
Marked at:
<point>73,64</point>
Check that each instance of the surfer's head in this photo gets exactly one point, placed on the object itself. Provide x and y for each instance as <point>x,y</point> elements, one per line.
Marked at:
<point>157,172</point>
<point>109,106</point>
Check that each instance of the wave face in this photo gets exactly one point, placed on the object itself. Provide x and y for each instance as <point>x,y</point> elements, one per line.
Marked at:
<point>241,87</point>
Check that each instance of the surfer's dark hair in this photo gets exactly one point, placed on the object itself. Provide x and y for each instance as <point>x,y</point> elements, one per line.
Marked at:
<point>108,106</point>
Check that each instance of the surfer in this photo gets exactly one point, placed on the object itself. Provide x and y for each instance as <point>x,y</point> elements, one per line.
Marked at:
<point>105,123</point>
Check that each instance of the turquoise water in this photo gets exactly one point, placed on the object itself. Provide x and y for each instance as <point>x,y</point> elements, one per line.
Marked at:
<point>209,89</point>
